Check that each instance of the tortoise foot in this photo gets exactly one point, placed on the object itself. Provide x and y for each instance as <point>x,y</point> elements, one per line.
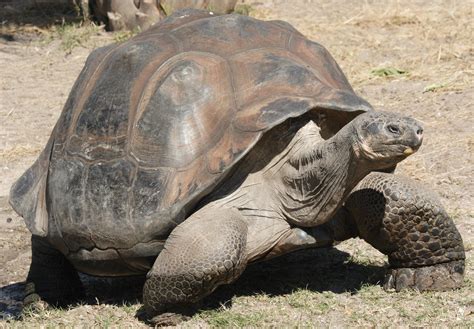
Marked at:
<point>167,316</point>
<point>32,302</point>
<point>168,319</point>
<point>439,277</point>
<point>30,294</point>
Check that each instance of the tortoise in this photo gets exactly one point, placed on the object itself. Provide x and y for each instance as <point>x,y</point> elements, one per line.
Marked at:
<point>210,142</point>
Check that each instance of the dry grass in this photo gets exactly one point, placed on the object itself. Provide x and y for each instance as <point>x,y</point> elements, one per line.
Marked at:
<point>432,40</point>
<point>75,35</point>
<point>19,151</point>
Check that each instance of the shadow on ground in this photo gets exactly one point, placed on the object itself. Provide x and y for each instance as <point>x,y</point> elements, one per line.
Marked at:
<point>316,270</point>
<point>21,24</point>
<point>39,14</point>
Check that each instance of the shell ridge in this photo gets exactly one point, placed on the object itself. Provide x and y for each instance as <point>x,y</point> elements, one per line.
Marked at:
<point>135,106</point>
<point>87,89</point>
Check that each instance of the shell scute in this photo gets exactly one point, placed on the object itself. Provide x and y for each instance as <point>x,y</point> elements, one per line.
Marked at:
<point>184,110</point>
<point>148,192</point>
<point>229,34</point>
<point>102,113</point>
<point>66,186</point>
<point>263,73</point>
<point>106,195</point>
<point>230,148</point>
<point>321,62</point>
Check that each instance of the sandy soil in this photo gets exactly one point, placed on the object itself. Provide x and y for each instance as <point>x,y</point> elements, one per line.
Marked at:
<point>431,41</point>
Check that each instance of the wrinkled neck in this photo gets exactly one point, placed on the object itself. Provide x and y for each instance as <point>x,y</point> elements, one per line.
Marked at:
<point>317,177</point>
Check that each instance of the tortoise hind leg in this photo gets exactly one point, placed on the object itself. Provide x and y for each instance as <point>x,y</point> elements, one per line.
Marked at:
<point>51,277</point>
<point>205,251</point>
<point>408,223</point>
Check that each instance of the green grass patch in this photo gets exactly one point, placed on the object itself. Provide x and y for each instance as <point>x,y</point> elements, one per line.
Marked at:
<point>167,9</point>
<point>210,8</point>
<point>388,72</point>
<point>435,87</point>
<point>75,35</point>
<point>122,36</point>
<point>243,9</point>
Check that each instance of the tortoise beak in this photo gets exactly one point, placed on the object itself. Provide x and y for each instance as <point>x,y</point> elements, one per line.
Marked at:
<point>408,151</point>
<point>415,138</point>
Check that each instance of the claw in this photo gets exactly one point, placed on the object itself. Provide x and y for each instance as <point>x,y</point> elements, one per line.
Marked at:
<point>389,284</point>
<point>168,319</point>
<point>439,277</point>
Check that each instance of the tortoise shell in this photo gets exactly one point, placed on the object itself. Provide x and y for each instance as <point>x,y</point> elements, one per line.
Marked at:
<point>152,125</point>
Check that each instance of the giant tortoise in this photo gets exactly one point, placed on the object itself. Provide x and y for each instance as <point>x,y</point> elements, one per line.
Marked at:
<point>210,142</point>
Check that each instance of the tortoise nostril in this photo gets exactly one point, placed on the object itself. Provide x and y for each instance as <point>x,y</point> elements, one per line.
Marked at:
<point>419,137</point>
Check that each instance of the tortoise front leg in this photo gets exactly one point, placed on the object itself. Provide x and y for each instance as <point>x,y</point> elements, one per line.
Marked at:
<point>405,221</point>
<point>205,251</point>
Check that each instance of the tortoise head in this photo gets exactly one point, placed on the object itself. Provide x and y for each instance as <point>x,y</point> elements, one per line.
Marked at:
<point>384,139</point>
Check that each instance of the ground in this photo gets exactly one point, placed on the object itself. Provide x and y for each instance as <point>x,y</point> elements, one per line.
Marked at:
<point>413,57</point>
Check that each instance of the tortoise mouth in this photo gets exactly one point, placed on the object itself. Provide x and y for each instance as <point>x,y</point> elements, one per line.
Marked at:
<point>397,149</point>
<point>406,148</point>
<point>386,152</point>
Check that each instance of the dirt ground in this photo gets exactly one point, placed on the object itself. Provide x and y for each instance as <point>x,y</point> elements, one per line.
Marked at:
<point>413,57</point>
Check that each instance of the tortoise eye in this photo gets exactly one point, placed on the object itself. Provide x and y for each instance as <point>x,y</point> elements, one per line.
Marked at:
<point>393,129</point>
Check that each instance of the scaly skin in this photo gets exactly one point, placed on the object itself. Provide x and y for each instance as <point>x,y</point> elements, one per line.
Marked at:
<point>195,260</point>
<point>403,220</point>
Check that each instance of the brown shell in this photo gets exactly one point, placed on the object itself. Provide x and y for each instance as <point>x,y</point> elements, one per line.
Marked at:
<point>152,124</point>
